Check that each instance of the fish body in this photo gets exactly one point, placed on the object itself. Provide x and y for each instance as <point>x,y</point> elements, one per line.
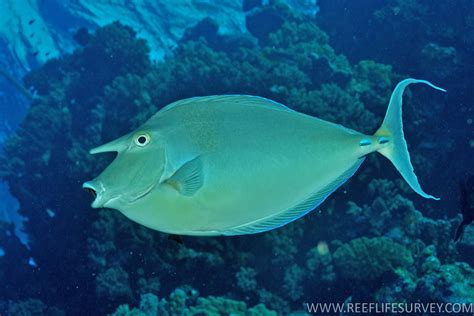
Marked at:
<point>236,164</point>
<point>271,172</point>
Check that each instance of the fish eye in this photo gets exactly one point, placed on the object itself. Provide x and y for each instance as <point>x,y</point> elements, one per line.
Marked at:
<point>142,139</point>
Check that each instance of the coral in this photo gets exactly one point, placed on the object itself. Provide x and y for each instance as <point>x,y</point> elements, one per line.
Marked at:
<point>284,243</point>
<point>392,213</point>
<point>435,283</point>
<point>149,306</point>
<point>466,245</point>
<point>373,83</point>
<point>447,283</point>
<point>29,307</point>
<point>221,306</point>
<point>400,289</point>
<point>264,20</point>
<point>293,279</point>
<point>113,51</point>
<point>148,285</point>
<point>113,283</point>
<point>246,279</point>
<point>332,102</point>
<point>273,301</point>
<point>320,264</point>
<point>366,259</point>
<point>446,60</point>
<point>186,302</point>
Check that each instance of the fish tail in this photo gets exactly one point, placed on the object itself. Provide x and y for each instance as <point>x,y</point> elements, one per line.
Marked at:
<point>392,143</point>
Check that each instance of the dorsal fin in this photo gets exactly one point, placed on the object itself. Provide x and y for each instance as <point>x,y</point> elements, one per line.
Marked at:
<point>284,217</point>
<point>247,100</point>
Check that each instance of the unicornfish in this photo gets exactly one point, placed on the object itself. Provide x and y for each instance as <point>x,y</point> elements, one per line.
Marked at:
<point>239,164</point>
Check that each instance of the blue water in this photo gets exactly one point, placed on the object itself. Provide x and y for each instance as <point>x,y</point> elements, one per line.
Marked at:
<point>373,242</point>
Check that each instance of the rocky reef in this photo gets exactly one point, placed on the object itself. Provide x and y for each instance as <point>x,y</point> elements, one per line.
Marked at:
<point>34,31</point>
<point>372,240</point>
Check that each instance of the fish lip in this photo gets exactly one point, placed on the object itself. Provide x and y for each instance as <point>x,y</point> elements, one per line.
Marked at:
<point>96,191</point>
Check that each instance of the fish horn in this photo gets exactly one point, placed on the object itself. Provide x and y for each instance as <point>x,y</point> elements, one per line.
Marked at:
<point>392,141</point>
<point>117,145</point>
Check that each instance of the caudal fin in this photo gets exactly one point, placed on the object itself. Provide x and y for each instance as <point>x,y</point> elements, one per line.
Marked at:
<point>391,138</point>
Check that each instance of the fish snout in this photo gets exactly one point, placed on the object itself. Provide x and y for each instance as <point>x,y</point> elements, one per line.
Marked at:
<point>96,190</point>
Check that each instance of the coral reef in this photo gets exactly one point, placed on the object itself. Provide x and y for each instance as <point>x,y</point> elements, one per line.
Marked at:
<point>29,307</point>
<point>366,259</point>
<point>187,302</point>
<point>372,240</point>
<point>246,279</point>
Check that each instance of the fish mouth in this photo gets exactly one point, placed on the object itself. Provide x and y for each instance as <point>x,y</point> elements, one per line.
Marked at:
<point>91,191</point>
<point>91,188</point>
<point>96,189</point>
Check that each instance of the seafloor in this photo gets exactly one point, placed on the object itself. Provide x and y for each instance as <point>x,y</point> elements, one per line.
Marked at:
<point>374,240</point>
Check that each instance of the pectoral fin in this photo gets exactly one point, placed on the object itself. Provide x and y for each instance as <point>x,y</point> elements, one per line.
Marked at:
<point>188,179</point>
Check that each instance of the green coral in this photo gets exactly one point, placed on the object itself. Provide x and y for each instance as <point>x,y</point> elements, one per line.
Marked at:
<point>373,84</point>
<point>215,306</point>
<point>186,302</point>
<point>246,279</point>
<point>113,283</point>
<point>293,279</point>
<point>366,259</point>
<point>320,264</point>
<point>29,307</point>
<point>333,102</point>
<point>447,283</point>
<point>149,306</point>
<point>273,301</point>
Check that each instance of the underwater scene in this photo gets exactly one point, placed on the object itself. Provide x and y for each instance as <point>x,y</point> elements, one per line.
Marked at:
<point>236,157</point>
